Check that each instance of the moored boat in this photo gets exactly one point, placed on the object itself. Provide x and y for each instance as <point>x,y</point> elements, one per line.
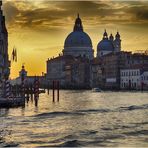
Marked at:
<point>12,102</point>
<point>96,90</point>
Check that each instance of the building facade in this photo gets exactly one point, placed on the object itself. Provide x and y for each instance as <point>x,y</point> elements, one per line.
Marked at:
<point>77,67</point>
<point>71,72</point>
<point>130,79</point>
<point>4,59</point>
<point>113,63</point>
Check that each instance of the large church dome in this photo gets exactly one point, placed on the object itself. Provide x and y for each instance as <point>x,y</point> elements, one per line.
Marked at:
<point>78,39</point>
<point>78,43</point>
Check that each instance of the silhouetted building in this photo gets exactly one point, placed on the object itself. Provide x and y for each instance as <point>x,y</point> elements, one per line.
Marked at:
<point>77,67</point>
<point>72,72</point>
<point>96,73</point>
<point>4,59</point>
<point>78,43</point>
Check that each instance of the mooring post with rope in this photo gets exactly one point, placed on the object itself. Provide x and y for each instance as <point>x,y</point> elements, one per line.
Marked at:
<point>7,89</point>
<point>36,90</point>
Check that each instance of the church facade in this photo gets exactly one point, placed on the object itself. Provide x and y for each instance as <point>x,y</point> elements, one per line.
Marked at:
<point>74,67</point>
<point>4,59</point>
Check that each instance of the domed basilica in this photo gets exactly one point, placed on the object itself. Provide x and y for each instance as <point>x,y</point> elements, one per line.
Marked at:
<point>78,43</point>
<point>76,66</point>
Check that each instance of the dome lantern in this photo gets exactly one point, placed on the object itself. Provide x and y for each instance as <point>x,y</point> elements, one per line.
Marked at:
<point>105,35</point>
<point>78,24</point>
<point>118,35</point>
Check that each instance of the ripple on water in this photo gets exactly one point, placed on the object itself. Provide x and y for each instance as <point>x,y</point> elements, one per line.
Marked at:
<point>78,120</point>
<point>134,107</point>
<point>56,114</point>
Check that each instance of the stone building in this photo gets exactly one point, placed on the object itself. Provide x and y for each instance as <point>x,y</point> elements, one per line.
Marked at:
<point>56,69</point>
<point>28,80</point>
<point>96,73</point>
<point>114,63</point>
<point>134,77</point>
<point>78,73</point>
<point>4,59</point>
<point>72,72</point>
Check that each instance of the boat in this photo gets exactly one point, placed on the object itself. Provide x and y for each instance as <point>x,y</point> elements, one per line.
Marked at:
<point>96,90</point>
<point>12,102</point>
<point>42,91</point>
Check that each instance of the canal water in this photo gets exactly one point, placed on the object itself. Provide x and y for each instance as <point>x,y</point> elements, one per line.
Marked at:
<point>81,118</point>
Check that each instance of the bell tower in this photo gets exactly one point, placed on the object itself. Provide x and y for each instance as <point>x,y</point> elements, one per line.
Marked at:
<point>117,42</point>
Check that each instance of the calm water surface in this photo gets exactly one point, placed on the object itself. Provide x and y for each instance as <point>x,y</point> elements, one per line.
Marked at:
<point>81,118</point>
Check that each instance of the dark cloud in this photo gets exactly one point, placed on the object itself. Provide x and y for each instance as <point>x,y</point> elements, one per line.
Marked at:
<point>140,12</point>
<point>57,14</point>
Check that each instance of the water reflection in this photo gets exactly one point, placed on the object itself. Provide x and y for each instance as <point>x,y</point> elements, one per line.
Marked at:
<point>81,118</point>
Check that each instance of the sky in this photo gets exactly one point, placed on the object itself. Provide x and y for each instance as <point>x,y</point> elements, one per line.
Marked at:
<point>38,28</point>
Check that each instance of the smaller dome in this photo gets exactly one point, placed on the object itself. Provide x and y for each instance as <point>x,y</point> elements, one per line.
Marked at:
<point>105,45</point>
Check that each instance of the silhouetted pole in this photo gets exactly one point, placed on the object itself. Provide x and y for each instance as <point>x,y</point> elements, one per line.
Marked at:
<point>48,88</point>
<point>36,89</point>
<point>142,85</point>
<point>58,92</point>
<point>31,91</point>
<point>53,91</point>
<point>27,91</point>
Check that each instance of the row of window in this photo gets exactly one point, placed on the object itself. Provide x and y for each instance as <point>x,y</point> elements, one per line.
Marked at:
<point>129,80</point>
<point>143,78</point>
<point>124,85</point>
<point>130,73</point>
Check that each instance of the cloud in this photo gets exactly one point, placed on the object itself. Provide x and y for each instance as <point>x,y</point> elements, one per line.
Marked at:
<point>60,15</point>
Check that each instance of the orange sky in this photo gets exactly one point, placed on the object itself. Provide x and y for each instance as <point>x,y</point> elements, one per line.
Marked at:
<point>38,28</point>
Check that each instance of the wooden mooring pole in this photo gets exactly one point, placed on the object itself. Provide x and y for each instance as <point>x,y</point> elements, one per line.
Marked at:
<point>36,91</point>
<point>53,91</point>
<point>56,86</point>
<point>58,91</point>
